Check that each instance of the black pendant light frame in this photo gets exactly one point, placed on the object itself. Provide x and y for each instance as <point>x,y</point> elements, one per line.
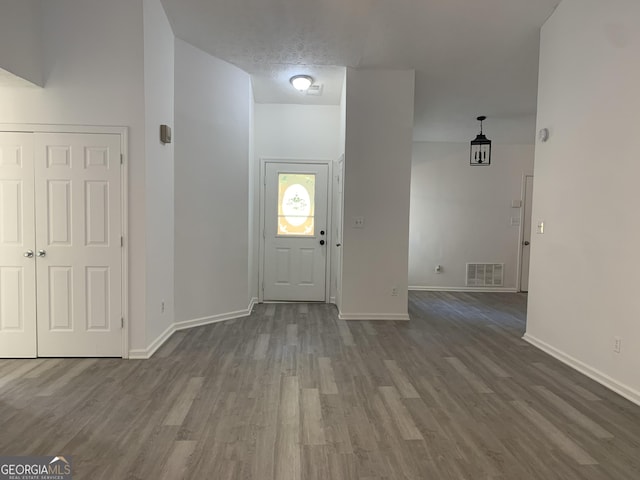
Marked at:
<point>480,148</point>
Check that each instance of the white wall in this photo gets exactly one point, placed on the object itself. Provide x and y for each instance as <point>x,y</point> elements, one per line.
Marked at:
<point>342,136</point>
<point>462,214</point>
<point>379,127</point>
<point>212,126</point>
<point>254,203</point>
<point>21,45</point>
<point>584,269</point>
<point>297,131</point>
<point>159,101</point>
<point>93,57</point>
<point>516,129</point>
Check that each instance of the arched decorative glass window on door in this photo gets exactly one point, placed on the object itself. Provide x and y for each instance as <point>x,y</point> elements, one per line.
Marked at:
<point>296,204</point>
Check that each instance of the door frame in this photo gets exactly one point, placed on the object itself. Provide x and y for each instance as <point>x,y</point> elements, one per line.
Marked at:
<point>523,199</point>
<point>261,233</point>
<point>124,175</point>
<point>338,197</point>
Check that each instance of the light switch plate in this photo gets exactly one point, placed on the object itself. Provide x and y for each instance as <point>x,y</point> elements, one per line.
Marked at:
<point>540,229</point>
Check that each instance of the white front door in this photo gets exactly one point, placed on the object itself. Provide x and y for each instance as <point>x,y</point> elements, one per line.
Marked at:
<point>17,242</point>
<point>78,242</point>
<point>526,234</point>
<point>295,231</point>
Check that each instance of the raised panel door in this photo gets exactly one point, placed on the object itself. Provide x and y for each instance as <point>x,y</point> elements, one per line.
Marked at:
<point>17,242</point>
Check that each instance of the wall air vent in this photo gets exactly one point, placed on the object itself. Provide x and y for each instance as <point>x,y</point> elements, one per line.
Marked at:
<point>485,275</point>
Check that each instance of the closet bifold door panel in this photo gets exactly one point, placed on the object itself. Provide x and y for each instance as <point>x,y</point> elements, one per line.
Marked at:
<point>60,245</point>
<point>17,243</point>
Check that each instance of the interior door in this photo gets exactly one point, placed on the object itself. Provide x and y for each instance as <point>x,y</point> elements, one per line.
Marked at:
<point>295,231</point>
<point>17,242</point>
<point>78,244</point>
<point>526,234</point>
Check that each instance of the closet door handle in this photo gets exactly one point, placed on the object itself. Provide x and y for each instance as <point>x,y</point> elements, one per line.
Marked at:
<point>42,253</point>
<point>28,254</point>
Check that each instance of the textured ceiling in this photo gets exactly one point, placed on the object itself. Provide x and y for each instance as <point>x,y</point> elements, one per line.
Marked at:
<point>471,57</point>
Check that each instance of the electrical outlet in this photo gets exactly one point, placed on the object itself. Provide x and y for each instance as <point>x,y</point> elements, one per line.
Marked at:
<point>394,292</point>
<point>162,307</point>
<point>358,222</point>
<point>617,344</point>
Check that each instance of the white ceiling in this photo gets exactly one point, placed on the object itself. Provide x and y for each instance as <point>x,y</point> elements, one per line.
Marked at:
<point>472,57</point>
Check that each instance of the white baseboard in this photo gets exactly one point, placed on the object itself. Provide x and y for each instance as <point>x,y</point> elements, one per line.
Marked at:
<point>374,316</point>
<point>198,322</point>
<point>155,345</point>
<point>138,354</point>
<point>463,289</point>
<point>594,374</point>
<point>143,354</point>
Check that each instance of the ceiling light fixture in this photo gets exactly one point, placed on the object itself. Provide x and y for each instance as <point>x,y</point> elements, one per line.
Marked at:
<point>480,148</point>
<point>301,82</point>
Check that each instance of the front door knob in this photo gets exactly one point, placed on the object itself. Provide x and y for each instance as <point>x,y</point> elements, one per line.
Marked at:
<point>42,253</point>
<point>526,243</point>
<point>28,254</point>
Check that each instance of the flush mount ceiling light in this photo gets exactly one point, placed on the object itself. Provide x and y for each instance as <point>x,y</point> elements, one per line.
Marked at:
<point>301,82</point>
<point>481,147</point>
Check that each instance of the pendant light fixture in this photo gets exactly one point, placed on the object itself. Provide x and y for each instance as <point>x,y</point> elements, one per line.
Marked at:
<point>480,148</point>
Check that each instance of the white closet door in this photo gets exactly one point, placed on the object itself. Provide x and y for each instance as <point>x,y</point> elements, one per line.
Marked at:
<point>17,239</point>
<point>78,244</point>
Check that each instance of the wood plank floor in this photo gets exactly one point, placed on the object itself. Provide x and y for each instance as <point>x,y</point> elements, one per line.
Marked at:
<point>293,393</point>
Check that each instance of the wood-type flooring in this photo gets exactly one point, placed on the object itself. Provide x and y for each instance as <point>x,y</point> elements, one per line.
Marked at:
<point>291,392</point>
